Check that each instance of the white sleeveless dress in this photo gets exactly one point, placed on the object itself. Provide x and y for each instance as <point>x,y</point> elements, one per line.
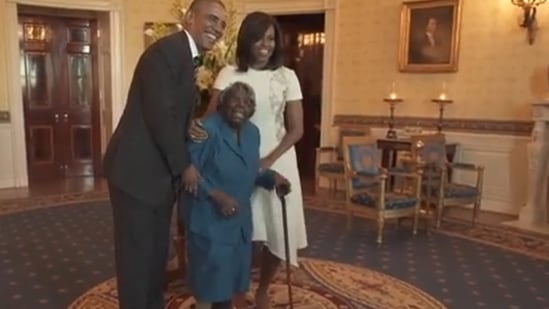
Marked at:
<point>273,89</point>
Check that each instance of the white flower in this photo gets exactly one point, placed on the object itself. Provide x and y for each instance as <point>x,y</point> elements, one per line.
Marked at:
<point>149,32</point>
<point>222,46</point>
<point>204,78</point>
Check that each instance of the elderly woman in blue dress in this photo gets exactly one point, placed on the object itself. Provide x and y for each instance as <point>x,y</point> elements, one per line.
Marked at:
<point>218,218</point>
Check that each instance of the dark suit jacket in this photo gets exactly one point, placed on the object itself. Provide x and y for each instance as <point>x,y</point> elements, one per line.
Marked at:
<point>147,151</point>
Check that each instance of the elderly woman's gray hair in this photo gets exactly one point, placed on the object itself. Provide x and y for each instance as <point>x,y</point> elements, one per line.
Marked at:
<point>236,90</point>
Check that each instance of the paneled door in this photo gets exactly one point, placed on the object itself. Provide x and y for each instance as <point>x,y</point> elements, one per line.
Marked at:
<point>59,84</point>
<point>304,45</point>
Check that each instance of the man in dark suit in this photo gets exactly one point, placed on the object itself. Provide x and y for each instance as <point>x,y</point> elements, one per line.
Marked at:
<point>146,162</point>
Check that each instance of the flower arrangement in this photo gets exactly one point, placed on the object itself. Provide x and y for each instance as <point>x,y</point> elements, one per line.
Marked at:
<point>213,61</point>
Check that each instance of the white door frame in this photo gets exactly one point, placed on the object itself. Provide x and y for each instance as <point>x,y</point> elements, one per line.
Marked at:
<point>15,97</point>
<point>329,8</point>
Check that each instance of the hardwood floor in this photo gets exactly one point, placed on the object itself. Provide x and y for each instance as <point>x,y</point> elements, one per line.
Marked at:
<point>73,190</point>
<point>66,186</point>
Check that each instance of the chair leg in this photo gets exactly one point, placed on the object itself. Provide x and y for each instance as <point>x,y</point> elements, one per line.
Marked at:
<point>439,214</point>
<point>476,208</point>
<point>428,219</point>
<point>380,224</point>
<point>416,220</point>
<point>334,188</point>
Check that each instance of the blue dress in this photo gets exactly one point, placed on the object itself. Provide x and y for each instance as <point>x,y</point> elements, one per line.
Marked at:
<point>220,248</point>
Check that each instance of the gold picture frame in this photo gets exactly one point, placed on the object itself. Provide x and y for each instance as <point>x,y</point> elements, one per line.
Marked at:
<point>429,36</point>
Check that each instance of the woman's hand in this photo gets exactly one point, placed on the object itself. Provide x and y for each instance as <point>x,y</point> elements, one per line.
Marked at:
<point>282,185</point>
<point>226,205</point>
<point>196,131</point>
<point>266,163</point>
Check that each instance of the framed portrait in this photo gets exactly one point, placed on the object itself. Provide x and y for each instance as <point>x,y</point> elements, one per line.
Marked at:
<point>429,36</point>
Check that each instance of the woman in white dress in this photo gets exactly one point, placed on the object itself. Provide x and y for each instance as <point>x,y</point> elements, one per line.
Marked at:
<point>279,117</point>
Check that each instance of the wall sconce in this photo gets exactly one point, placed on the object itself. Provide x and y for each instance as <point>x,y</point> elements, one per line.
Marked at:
<point>529,19</point>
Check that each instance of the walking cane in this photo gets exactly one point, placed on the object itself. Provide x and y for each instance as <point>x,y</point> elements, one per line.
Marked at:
<point>282,192</point>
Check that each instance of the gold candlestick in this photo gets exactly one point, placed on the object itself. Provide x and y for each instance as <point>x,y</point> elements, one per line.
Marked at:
<point>442,100</point>
<point>393,99</point>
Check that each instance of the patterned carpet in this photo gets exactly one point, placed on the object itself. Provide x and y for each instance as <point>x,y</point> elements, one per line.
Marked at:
<point>317,284</point>
<point>502,236</point>
<point>49,257</point>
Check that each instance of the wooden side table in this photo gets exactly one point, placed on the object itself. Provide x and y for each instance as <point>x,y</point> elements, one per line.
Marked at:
<point>390,148</point>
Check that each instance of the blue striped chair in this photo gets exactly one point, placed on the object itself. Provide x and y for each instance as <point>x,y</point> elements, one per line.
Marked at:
<point>438,189</point>
<point>366,184</point>
<point>329,160</point>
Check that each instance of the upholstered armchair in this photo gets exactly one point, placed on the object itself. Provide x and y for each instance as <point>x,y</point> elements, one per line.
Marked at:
<point>329,160</point>
<point>438,188</point>
<point>366,184</point>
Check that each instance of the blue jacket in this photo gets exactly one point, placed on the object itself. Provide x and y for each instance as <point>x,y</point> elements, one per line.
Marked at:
<point>229,166</point>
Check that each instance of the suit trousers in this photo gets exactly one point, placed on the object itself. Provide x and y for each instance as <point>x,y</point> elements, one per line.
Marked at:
<point>141,239</point>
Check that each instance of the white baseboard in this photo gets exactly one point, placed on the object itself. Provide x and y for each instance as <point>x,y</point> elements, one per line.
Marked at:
<point>6,183</point>
<point>7,177</point>
<point>505,159</point>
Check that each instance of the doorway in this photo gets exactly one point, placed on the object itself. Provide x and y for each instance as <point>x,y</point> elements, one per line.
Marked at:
<point>304,47</point>
<point>60,89</point>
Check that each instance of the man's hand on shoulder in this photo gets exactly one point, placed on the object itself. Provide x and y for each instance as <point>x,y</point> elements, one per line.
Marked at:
<point>197,133</point>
